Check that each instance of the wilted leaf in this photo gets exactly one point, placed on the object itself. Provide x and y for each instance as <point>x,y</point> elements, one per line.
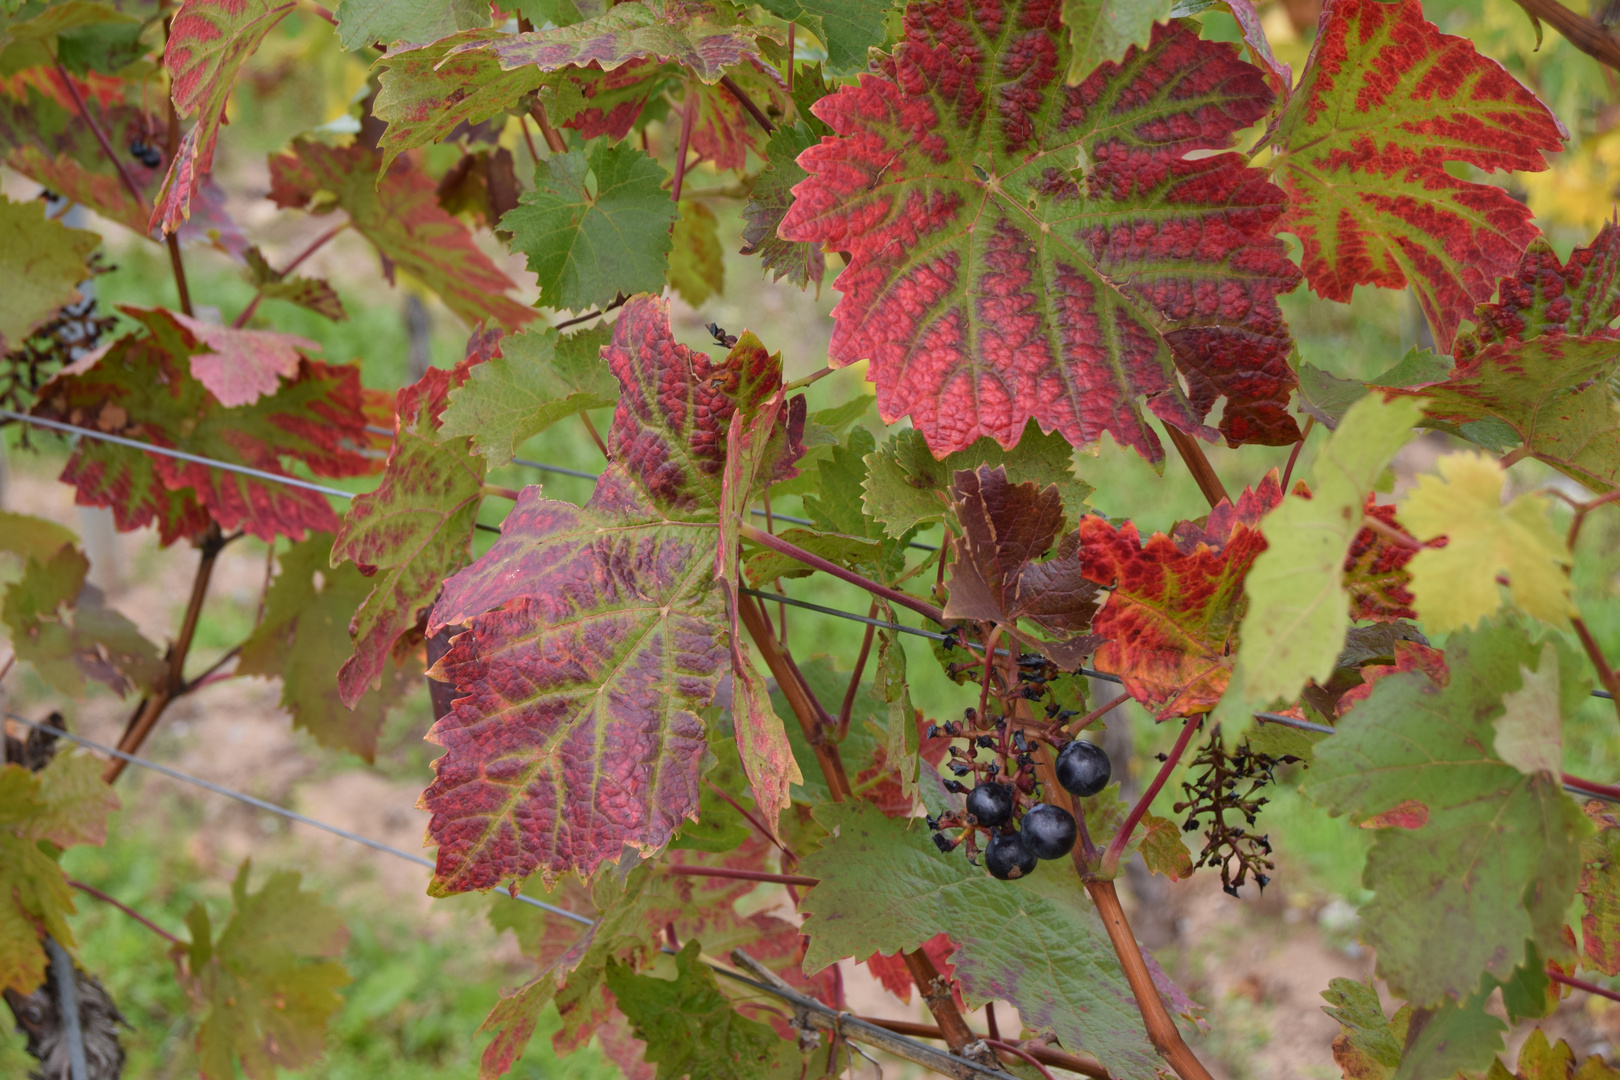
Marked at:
<point>991,281</point>
<point>42,263</point>
<point>269,984</point>
<point>1034,942</point>
<point>400,214</point>
<point>696,269</point>
<point>142,388</point>
<point>1171,622</point>
<point>1456,585</point>
<point>1496,863</point>
<point>1385,102</point>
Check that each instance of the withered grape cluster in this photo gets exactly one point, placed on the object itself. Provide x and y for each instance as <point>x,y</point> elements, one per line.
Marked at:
<point>1214,792</point>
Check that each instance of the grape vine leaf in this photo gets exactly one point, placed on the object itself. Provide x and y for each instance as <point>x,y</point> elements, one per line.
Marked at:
<point>1371,1047</point>
<point>907,487</point>
<point>141,387</point>
<point>240,366</point>
<point>59,624</point>
<point>269,982</point>
<point>1171,622</point>
<point>593,642</point>
<point>312,294</point>
<point>43,262</point>
<point>365,22</point>
<point>401,216</point>
<point>834,504</point>
<point>594,227</point>
<point>26,536</point>
<point>302,640</point>
<point>63,804</point>
<point>537,379</point>
<point>1528,733</point>
<point>1103,30</point>
<point>1361,148</point>
<point>1001,573</point>
<point>1580,297</point>
<point>696,34</point>
<point>417,527</point>
<point>1600,890</point>
<point>768,202</point>
<point>209,41</point>
<point>1541,1060</point>
<point>692,1029</point>
<point>1298,607</point>
<point>1375,571</point>
<point>1555,393</point>
<point>848,28</point>
<point>1456,585</point>
<point>427,91</point>
<point>1496,863</point>
<point>1034,942</point>
<point>723,131</point>
<point>696,267</point>
<point>990,281</point>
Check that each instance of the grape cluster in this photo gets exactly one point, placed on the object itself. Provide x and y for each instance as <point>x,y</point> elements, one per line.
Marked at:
<point>1004,804</point>
<point>145,153</point>
<point>1218,792</point>
<point>73,332</point>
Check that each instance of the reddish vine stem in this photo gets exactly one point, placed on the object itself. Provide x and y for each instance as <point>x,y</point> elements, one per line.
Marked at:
<point>1197,464</point>
<point>936,994</point>
<point>553,137</point>
<point>816,562</point>
<point>618,301</point>
<point>171,240</point>
<point>748,103</point>
<point>1098,713</point>
<point>688,115</point>
<point>1044,1054</point>
<point>848,708</point>
<point>1110,859</point>
<point>151,708</point>
<point>743,875</point>
<point>91,890</point>
<point>758,825</point>
<point>776,583</point>
<point>1592,38</point>
<point>1609,790</point>
<point>101,137</point>
<point>1390,533</point>
<point>792,26</point>
<point>1018,1051</point>
<point>314,246</point>
<point>1606,674</point>
<point>1293,455</point>
<point>1582,984</point>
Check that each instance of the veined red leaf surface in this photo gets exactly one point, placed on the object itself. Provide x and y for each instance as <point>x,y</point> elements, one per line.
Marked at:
<point>209,41</point>
<point>142,387</point>
<point>1171,620</point>
<point>400,214</point>
<point>595,633</point>
<point>991,280</point>
<point>1385,101</point>
<point>1580,297</point>
<point>242,366</point>
<point>1375,572</point>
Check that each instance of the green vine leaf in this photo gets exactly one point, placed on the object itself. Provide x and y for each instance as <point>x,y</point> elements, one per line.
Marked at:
<point>1104,30</point>
<point>366,22</point>
<point>1600,890</point>
<point>848,28</point>
<point>800,263</point>
<point>427,91</point>
<point>43,262</point>
<point>696,269</point>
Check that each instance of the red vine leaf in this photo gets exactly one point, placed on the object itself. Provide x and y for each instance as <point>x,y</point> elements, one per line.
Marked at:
<point>426,91</point>
<point>997,576</point>
<point>1580,297</point>
<point>593,637</point>
<point>1375,572</point>
<point>891,970</point>
<point>1171,621</point>
<point>209,41</point>
<point>400,214</point>
<point>242,366</point>
<point>1409,656</point>
<point>141,387</point>
<point>990,281</point>
<point>1385,101</point>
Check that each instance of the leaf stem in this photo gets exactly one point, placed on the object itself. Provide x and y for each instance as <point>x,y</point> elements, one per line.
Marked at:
<point>792,551</point>
<point>553,137</point>
<point>500,492</point>
<point>1606,675</point>
<point>314,246</point>
<point>1609,791</point>
<point>596,436</point>
<point>1390,533</point>
<point>1293,455</point>
<point>803,703</point>
<point>1582,984</point>
<point>618,301</point>
<point>207,675</point>
<point>1096,714</point>
<point>177,266</point>
<point>848,707</point>
<point>1018,1051</point>
<point>814,376</point>
<point>101,138</point>
<point>759,826</point>
<point>688,115</point>
<point>742,875</point>
<point>748,103</point>
<point>1197,464</point>
<point>1110,859</point>
<point>1592,38</point>
<point>792,27</point>
<point>91,890</point>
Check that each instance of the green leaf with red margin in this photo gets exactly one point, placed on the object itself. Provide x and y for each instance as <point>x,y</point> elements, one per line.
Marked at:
<point>1600,891</point>
<point>416,527</point>
<point>1001,573</point>
<point>768,202</point>
<point>59,625</point>
<point>1171,621</point>
<point>365,22</point>
<point>588,243</point>
<point>269,983</point>
<point>1103,30</point>
<point>697,269</point>
<point>1385,101</point>
<point>594,636</point>
<point>1162,849</point>
<point>1499,851</point>
<point>427,91</point>
<point>400,215</point>
<point>312,294</point>
<point>1555,392</point>
<point>991,281</point>
<point>303,636</point>
<point>141,387</point>
<point>1036,942</point>
<point>696,34</point>
<point>43,261</point>
<point>63,804</point>
<point>209,41</point>
<point>535,380</point>
<point>1580,298</point>
<point>595,102</point>
<point>723,131</point>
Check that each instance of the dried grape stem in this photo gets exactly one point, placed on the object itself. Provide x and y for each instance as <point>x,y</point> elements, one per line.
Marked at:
<point>1197,464</point>
<point>91,890</point>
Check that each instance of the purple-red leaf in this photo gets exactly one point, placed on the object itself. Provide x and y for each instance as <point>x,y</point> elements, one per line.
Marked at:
<point>991,280</point>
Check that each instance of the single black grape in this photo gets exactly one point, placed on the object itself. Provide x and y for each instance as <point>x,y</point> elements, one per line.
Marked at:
<point>991,804</point>
<point>1048,831</point>
<point>1083,769</point>
<point>1008,857</point>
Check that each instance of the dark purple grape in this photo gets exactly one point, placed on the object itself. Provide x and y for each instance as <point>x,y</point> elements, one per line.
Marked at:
<point>1083,769</point>
<point>1007,857</point>
<point>991,804</point>
<point>1048,831</point>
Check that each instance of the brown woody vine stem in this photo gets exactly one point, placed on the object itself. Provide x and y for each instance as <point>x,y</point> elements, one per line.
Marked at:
<point>816,562</point>
<point>151,708</point>
<point>553,137</point>
<point>1019,1051</point>
<point>1197,464</point>
<point>1293,455</point>
<point>1592,38</point>
<point>91,890</point>
<point>1110,859</point>
<point>1046,1055</point>
<point>743,875</point>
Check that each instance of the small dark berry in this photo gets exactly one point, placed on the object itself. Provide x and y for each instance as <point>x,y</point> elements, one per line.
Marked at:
<point>944,843</point>
<point>1048,831</point>
<point>1231,890</point>
<point>1051,710</point>
<point>994,770</point>
<point>1162,757</point>
<point>986,742</point>
<point>970,714</point>
<point>991,804</point>
<point>959,769</point>
<point>1019,740</point>
<point>932,732</point>
<point>1083,768</point>
<point>955,787</point>
<point>933,822</point>
<point>1007,857</point>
